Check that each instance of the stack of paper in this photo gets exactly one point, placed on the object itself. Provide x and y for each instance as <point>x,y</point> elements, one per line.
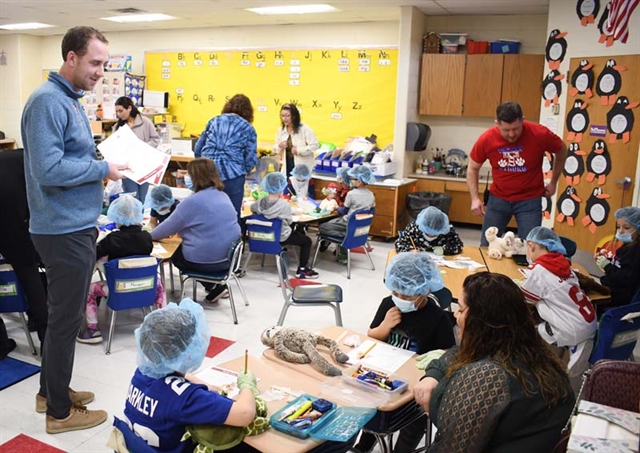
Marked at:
<point>381,357</point>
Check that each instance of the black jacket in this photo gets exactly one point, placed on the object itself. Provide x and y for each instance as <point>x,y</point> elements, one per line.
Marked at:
<point>127,241</point>
<point>622,276</point>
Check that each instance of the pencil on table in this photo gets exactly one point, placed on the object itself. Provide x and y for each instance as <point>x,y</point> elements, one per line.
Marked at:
<point>246,360</point>
<point>368,350</point>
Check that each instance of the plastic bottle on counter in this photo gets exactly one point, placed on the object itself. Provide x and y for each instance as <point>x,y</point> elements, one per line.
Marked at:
<point>425,166</point>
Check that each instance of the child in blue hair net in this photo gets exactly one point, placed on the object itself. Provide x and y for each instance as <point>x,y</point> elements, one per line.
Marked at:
<point>431,232</point>
<point>568,317</point>
<point>622,270</point>
<point>275,207</point>
<point>162,203</point>
<point>300,183</point>
<point>161,402</point>
<point>128,239</point>
<point>359,198</point>
<point>412,319</point>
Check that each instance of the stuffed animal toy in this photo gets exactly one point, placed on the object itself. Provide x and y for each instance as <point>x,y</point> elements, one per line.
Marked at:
<point>328,205</point>
<point>332,193</point>
<point>519,246</point>
<point>300,346</point>
<point>499,247</point>
<point>212,438</point>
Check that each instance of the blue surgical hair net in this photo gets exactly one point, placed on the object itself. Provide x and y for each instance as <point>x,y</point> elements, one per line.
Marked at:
<point>301,171</point>
<point>362,173</point>
<point>413,274</point>
<point>433,221</point>
<point>547,238</point>
<point>173,338</point>
<point>631,214</point>
<point>274,182</point>
<point>343,173</point>
<point>125,210</point>
<point>159,197</point>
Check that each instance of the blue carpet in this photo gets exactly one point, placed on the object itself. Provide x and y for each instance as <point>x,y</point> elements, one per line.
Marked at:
<point>13,371</point>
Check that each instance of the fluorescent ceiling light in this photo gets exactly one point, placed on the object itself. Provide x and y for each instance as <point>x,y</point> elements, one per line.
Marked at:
<point>25,26</point>
<point>139,18</point>
<point>294,9</point>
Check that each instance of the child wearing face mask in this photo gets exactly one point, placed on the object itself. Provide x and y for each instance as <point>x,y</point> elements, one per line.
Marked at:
<point>410,319</point>
<point>300,183</point>
<point>621,272</point>
<point>568,317</point>
<point>162,203</point>
<point>431,232</point>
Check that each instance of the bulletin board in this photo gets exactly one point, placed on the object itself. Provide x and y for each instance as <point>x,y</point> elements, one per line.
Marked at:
<point>592,187</point>
<point>341,93</point>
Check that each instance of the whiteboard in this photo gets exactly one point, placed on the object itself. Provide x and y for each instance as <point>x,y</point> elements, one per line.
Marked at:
<point>341,93</point>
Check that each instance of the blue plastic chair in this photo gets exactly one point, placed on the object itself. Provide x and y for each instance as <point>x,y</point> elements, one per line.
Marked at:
<point>12,299</point>
<point>616,338</point>
<point>132,284</point>
<point>357,235</point>
<point>263,236</point>
<point>234,255</point>
<point>306,295</point>
<point>132,441</point>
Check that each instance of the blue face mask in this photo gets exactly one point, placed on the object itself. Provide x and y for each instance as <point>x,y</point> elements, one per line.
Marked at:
<point>164,211</point>
<point>624,237</point>
<point>188,182</point>
<point>405,306</point>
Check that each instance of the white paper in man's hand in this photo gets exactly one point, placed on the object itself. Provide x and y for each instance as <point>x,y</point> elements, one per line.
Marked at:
<point>145,163</point>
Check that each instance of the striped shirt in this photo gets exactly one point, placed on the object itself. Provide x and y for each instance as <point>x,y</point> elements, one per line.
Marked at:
<point>230,142</point>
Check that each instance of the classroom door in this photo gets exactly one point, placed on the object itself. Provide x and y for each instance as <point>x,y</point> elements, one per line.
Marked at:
<point>599,159</point>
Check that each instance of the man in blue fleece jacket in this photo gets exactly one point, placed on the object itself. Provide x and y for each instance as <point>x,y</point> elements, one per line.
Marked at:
<point>64,189</point>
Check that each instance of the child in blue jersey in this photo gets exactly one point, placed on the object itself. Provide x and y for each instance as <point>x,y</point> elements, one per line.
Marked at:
<point>161,402</point>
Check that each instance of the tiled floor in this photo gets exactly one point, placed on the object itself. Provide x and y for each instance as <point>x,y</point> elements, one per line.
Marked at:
<point>108,375</point>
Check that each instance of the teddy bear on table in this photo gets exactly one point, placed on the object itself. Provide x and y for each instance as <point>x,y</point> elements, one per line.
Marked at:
<point>331,201</point>
<point>500,246</point>
<point>300,346</point>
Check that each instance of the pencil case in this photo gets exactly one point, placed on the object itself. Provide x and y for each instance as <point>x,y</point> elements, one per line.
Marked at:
<point>336,423</point>
<point>379,381</point>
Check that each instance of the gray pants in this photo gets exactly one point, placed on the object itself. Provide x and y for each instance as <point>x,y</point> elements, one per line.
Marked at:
<point>69,260</point>
<point>336,228</point>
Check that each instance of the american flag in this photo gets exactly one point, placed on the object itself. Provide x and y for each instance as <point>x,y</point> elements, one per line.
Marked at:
<point>617,24</point>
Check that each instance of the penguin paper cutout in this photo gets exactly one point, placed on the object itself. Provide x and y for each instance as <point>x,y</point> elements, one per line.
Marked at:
<point>597,210</point>
<point>605,36</point>
<point>547,165</point>
<point>609,82</point>
<point>552,88</point>
<point>577,121</point>
<point>582,80</point>
<point>620,120</point>
<point>546,207</point>
<point>598,162</point>
<point>587,11</point>
<point>556,49</point>
<point>568,205</point>
<point>574,164</point>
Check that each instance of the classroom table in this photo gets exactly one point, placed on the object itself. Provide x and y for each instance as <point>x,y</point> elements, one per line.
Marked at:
<point>170,245</point>
<point>297,218</point>
<point>508,267</point>
<point>273,373</point>
<point>454,278</point>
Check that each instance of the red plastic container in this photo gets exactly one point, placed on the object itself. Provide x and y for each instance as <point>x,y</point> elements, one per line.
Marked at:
<point>474,47</point>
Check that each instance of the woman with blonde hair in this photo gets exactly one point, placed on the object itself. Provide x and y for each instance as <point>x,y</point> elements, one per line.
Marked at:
<point>503,389</point>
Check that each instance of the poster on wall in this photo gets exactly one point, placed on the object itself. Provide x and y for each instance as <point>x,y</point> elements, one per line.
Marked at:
<point>597,210</point>
<point>620,120</point>
<point>609,82</point>
<point>582,80</point>
<point>577,121</point>
<point>568,206</point>
<point>614,22</point>
<point>574,164</point>
<point>598,162</point>
<point>556,49</point>
<point>552,88</point>
<point>587,11</point>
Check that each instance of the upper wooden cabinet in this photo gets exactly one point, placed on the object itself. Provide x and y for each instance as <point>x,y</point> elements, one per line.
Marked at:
<point>522,82</point>
<point>441,84</point>
<point>482,84</point>
<point>474,85</point>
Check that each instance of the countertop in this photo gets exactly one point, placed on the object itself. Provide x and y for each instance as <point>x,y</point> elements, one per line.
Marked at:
<point>445,177</point>
<point>392,182</point>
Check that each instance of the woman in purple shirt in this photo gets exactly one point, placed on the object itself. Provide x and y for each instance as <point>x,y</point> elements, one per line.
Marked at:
<point>207,223</point>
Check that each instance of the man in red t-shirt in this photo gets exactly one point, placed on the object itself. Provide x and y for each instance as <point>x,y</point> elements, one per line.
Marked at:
<point>515,149</point>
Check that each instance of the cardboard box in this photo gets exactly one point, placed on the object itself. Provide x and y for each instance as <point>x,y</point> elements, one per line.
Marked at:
<point>380,170</point>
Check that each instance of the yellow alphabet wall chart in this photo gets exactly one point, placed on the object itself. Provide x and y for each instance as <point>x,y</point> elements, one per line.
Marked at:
<point>340,92</point>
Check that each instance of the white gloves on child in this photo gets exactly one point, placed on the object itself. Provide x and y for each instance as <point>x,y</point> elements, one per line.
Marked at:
<point>602,261</point>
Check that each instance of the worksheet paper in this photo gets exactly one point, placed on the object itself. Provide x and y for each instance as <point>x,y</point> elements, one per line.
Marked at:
<point>145,163</point>
<point>382,357</point>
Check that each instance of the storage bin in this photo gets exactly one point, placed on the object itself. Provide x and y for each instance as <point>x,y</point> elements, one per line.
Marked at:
<point>449,48</point>
<point>453,38</point>
<point>505,47</point>
<point>475,47</point>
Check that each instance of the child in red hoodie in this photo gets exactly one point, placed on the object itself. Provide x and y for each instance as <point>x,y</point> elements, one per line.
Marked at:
<point>568,317</point>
